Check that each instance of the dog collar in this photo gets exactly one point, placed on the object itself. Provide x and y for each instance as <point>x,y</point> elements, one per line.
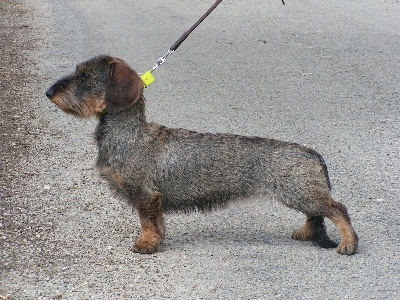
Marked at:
<point>147,78</point>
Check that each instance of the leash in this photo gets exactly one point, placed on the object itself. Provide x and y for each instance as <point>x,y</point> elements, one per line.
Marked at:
<point>147,77</point>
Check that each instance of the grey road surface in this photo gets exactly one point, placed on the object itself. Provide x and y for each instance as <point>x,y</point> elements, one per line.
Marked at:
<point>321,73</point>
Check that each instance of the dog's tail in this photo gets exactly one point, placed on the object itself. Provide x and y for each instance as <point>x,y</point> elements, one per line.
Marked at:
<point>320,237</point>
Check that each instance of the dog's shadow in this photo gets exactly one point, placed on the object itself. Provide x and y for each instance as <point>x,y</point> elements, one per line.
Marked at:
<point>222,229</point>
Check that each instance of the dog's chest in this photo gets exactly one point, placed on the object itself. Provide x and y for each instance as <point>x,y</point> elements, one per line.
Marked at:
<point>113,176</point>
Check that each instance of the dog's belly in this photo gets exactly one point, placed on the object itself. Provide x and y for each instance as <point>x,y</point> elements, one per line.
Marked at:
<point>183,194</point>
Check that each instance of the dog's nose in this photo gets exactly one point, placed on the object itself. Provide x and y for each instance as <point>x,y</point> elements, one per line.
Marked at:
<point>49,93</point>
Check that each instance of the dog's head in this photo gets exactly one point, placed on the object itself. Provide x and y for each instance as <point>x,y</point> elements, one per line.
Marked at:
<point>100,84</point>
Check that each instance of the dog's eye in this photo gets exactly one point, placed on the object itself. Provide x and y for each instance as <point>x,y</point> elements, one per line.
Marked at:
<point>85,75</point>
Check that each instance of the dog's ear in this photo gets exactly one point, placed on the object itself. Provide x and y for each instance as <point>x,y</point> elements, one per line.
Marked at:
<point>124,87</point>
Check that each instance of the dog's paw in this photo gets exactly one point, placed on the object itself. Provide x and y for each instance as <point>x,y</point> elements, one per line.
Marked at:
<point>347,248</point>
<point>348,245</point>
<point>144,250</point>
<point>147,243</point>
<point>302,234</point>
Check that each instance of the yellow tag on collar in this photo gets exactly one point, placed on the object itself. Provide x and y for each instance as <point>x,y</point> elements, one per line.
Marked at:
<point>147,79</point>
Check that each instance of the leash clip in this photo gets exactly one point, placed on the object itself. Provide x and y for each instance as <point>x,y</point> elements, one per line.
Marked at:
<point>161,60</point>
<point>147,77</point>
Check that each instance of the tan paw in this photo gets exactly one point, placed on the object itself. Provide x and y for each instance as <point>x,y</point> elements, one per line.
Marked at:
<point>144,250</point>
<point>302,234</point>
<point>347,248</point>
<point>147,243</point>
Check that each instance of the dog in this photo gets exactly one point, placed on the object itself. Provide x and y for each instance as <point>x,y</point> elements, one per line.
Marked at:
<point>160,170</point>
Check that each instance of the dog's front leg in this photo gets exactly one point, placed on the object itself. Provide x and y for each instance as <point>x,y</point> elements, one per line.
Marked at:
<point>152,224</point>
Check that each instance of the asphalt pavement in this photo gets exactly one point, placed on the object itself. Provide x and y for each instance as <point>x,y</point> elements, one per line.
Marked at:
<point>320,73</point>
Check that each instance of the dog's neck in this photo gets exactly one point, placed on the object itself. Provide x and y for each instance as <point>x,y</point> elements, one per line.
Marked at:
<point>133,117</point>
<point>135,113</point>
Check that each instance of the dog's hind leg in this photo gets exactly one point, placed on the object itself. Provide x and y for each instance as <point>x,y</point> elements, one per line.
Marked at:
<point>339,216</point>
<point>314,228</point>
<point>152,224</point>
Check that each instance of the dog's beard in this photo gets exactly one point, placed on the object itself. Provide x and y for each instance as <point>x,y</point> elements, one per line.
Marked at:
<point>81,108</point>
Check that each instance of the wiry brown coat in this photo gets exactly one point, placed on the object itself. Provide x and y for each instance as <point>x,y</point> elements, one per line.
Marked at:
<point>158,169</point>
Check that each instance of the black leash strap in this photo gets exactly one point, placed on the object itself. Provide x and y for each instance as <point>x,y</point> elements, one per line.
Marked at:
<point>186,34</point>
<point>147,77</point>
